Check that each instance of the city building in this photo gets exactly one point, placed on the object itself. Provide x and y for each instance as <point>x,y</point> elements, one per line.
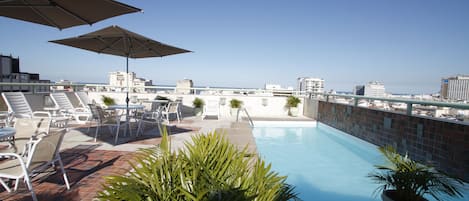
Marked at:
<point>120,78</point>
<point>359,90</point>
<point>278,90</point>
<point>455,88</point>
<point>309,84</point>
<point>374,89</point>
<point>184,86</point>
<point>10,72</point>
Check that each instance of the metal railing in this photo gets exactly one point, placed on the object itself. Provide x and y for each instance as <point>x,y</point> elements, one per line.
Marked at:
<point>409,102</point>
<point>46,87</point>
<point>247,114</point>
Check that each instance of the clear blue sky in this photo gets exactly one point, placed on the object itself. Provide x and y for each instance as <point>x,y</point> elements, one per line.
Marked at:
<point>407,45</point>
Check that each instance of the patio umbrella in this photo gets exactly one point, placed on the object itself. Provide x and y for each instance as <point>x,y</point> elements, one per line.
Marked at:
<point>115,40</point>
<point>63,13</point>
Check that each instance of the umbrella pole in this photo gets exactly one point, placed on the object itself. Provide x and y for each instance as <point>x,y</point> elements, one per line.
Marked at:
<point>127,95</point>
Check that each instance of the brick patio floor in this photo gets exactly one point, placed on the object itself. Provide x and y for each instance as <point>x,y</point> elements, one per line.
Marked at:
<point>87,162</point>
<point>85,167</point>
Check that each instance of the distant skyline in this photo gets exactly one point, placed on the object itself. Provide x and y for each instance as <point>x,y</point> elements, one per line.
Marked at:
<point>407,45</point>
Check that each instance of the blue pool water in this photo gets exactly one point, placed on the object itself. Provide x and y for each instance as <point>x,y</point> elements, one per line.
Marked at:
<point>321,162</point>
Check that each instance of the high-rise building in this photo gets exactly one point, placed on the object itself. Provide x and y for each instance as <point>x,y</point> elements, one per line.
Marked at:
<point>374,89</point>
<point>455,88</point>
<point>310,84</point>
<point>359,90</point>
<point>10,72</point>
<point>119,79</point>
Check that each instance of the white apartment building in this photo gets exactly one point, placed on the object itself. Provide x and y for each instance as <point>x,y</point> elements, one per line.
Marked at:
<point>455,88</point>
<point>120,78</point>
<point>374,89</point>
<point>310,84</point>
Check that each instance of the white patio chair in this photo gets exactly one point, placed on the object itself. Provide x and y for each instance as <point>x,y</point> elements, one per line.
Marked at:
<point>112,121</point>
<point>26,130</point>
<point>148,117</point>
<point>211,108</point>
<point>42,153</point>
<point>80,114</point>
<point>171,108</point>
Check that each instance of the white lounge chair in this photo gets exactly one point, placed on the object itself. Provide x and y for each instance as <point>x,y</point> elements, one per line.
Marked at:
<point>80,114</point>
<point>211,108</point>
<point>19,107</point>
<point>83,98</point>
<point>17,104</point>
<point>42,153</point>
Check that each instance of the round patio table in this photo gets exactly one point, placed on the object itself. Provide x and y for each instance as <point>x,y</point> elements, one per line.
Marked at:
<point>8,134</point>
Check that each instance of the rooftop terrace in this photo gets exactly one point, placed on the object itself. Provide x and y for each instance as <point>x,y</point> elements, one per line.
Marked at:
<point>87,162</point>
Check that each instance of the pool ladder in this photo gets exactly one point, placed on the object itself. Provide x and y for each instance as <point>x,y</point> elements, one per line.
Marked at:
<point>247,114</point>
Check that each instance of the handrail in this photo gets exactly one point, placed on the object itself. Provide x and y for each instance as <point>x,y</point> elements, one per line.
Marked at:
<point>247,114</point>
<point>408,102</point>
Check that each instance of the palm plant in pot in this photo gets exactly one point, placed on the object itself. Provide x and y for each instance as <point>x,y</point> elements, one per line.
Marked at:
<point>406,180</point>
<point>235,104</point>
<point>198,106</point>
<point>108,101</point>
<point>292,105</point>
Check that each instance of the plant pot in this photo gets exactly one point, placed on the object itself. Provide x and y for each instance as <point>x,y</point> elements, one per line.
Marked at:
<point>198,111</point>
<point>293,111</point>
<point>387,195</point>
<point>390,195</point>
<point>234,111</point>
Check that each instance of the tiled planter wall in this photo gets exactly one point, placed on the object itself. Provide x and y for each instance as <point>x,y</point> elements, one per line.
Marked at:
<point>444,144</point>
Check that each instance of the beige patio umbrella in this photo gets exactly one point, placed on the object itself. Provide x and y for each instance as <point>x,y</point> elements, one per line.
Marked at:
<point>63,13</point>
<point>115,40</point>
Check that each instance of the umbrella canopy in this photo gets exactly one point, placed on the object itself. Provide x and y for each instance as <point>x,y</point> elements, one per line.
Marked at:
<point>115,40</point>
<point>63,13</point>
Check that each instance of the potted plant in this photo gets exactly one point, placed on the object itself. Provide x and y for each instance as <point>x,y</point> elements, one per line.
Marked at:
<point>292,105</point>
<point>235,104</point>
<point>198,106</point>
<point>406,180</point>
<point>108,100</point>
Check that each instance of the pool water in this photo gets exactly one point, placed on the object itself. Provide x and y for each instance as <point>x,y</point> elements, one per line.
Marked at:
<point>322,163</point>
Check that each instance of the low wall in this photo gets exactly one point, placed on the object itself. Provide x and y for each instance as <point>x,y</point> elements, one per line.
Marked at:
<point>443,144</point>
<point>257,106</point>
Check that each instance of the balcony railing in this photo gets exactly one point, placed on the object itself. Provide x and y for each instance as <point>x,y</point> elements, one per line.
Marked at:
<point>408,106</point>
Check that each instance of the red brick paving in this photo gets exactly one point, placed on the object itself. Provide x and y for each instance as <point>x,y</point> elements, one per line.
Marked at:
<point>85,169</point>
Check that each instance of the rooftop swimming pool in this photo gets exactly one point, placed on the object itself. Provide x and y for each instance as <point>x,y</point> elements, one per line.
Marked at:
<point>322,163</point>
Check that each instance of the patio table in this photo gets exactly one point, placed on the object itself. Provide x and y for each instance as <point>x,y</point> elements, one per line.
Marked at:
<point>8,134</point>
<point>134,108</point>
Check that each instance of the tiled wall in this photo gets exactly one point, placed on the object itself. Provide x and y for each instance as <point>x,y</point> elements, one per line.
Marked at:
<point>444,144</point>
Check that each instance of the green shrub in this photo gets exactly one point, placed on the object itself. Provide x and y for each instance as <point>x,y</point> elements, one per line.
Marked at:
<point>198,103</point>
<point>410,180</point>
<point>292,101</point>
<point>108,100</point>
<point>235,103</point>
<point>209,168</point>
